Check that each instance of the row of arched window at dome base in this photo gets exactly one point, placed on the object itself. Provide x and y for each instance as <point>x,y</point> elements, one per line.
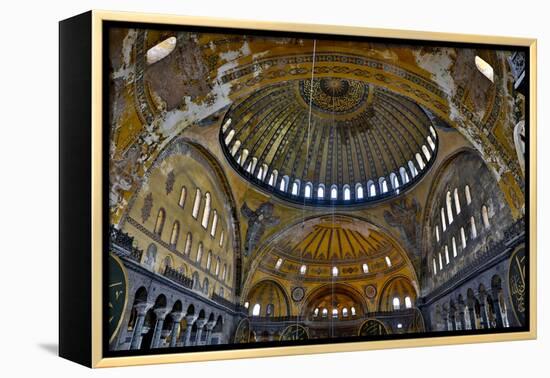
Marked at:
<point>305,192</point>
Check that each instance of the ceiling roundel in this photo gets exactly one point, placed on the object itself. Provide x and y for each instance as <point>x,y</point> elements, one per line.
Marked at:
<point>329,141</point>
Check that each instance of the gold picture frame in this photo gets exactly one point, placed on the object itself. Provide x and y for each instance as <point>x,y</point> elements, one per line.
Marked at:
<point>90,265</point>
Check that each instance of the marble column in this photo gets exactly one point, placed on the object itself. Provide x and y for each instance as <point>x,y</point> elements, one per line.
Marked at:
<point>176,318</point>
<point>483,309</point>
<point>498,311</point>
<point>161,315</point>
<point>141,310</point>
<point>472,313</point>
<point>187,337</point>
<point>461,317</point>
<point>200,326</point>
<point>209,327</point>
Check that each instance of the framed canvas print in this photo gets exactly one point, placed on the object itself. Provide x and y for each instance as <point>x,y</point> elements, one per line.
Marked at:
<point>236,189</point>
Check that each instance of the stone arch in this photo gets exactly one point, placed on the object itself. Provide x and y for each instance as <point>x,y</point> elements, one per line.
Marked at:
<point>271,289</point>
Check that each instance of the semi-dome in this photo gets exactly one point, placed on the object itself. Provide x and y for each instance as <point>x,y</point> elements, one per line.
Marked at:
<point>329,140</point>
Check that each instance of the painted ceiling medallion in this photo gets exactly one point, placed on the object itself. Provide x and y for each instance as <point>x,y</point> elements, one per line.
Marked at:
<point>334,95</point>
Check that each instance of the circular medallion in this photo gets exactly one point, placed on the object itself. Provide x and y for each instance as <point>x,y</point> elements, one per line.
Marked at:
<point>294,332</point>
<point>334,95</point>
<point>518,284</point>
<point>298,294</point>
<point>118,294</point>
<point>372,327</point>
<point>370,291</point>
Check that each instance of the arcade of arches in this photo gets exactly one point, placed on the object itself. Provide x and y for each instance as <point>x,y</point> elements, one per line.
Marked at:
<point>266,189</point>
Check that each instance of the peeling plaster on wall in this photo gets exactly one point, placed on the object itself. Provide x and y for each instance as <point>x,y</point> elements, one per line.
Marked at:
<point>235,54</point>
<point>127,46</point>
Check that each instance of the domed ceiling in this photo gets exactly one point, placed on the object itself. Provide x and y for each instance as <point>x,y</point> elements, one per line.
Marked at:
<point>330,248</point>
<point>328,140</point>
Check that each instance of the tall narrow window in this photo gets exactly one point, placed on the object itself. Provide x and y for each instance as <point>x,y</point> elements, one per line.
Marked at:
<point>396,304</point>
<point>404,175</point>
<point>272,178</point>
<point>353,313</point>
<point>408,302</point>
<point>388,261</point>
<point>235,148</point>
<point>324,313</point>
<point>454,247</point>
<point>457,202</point>
<point>175,234</point>
<point>463,237</point>
<point>447,260</point>
<point>437,233</point>
<point>335,313</point>
<point>473,227</point>
<point>485,216</point>
<point>426,152</point>
<point>209,260</point>
<point>295,188</point>
<point>226,125</point>
<point>412,168</point>
<point>218,263</point>
<point>334,271</point>
<point>303,269</point>
<point>214,223</point>
<point>347,193</point>
<point>256,310</point>
<point>468,195</point>
<point>359,191</point>
<point>159,225</point>
<point>260,173</point>
<point>307,190</point>
<point>197,203</point>
<point>222,235</point>
<point>431,143</point>
<point>224,272</point>
<point>278,264</point>
<point>321,191</point>
<point>183,194</point>
<point>443,221</point>
<point>435,266</point>
<point>333,192</point>
<point>345,312</point>
<point>188,242</point>
<point>432,130</point>
<point>206,212</point>
<point>419,161</point>
<point>440,262</point>
<point>371,188</point>
<point>244,156</point>
<point>283,187</point>
<point>383,185</point>
<point>199,254</point>
<point>449,208</point>
<point>229,137</point>
<point>394,181</point>
<point>365,268</point>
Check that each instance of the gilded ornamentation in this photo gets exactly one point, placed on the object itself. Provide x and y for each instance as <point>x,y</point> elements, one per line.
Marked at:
<point>257,222</point>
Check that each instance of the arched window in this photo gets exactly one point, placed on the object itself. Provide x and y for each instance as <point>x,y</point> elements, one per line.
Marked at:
<point>519,142</point>
<point>183,194</point>
<point>365,268</point>
<point>468,196</point>
<point>175,234</point>
<point>396,304</point>
<point>383,185</point>
<point>347,193</point>
<point>404,175</point>
<point>449,203</point>
<point>388,261</point>
<point>307,190</point>
<point>485,216</point>
<point>457,202</point>
<point>440,262</point>
<point>244,156</point>
<point>222,235</point>
<point>371,189</point>
<point>278,264</point>
<point>353,313</point>
<point>199,254</point>
<point>218,263</point>
<point>206,212</point>
<point>473,229</point>
<point>432,130</point>
<point>359,191</point>
<point>295,187</point>
<point>443,221</point>
<point>261,174</point>
<point>224,272</point>
<point>394,181</point>
<point>345,312</point>
<point>408,302</point>
<point>321,191</point>
<point>485,68</point>
<point>303,269</point>
<point>454,247</point>
<point>412,168</point>
<point>334,271</point>
<point>435,266</point>
<point>333,192</point>
<point>229,137</point>
<point>226,125</point>
<point>447,260</point>
<point>437,233</point>
<point>188,242</point>
<point>283,186</point>
<point>426,152</point>
<point>252,165</point>
<point>159,225</point>
<point>209,260</point>
<point>269,310</point>
<point>431,143</point>
<point>197,203</point>
<point>205,285</point>
<point>419,161</point>
<point>214,223</point>
<point>316,312</point>
<point>256,310</point>
<point>335,313</point>
<point>272,178</point>
<point>463,237</point>
<point>324,312</point>
<point>235,148</point>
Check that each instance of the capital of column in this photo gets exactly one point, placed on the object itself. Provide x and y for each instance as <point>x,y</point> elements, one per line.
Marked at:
<point>176,316</point>
<point>190,319</point>
<point>161,313</point>
<point>201,323</point>
<point>210,326</point>
<point>142,308</point>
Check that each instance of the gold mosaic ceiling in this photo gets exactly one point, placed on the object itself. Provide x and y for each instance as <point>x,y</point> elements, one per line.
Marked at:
<point>319,140</point>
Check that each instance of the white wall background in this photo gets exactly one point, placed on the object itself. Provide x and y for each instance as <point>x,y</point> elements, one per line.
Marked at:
<point>29,188</point>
